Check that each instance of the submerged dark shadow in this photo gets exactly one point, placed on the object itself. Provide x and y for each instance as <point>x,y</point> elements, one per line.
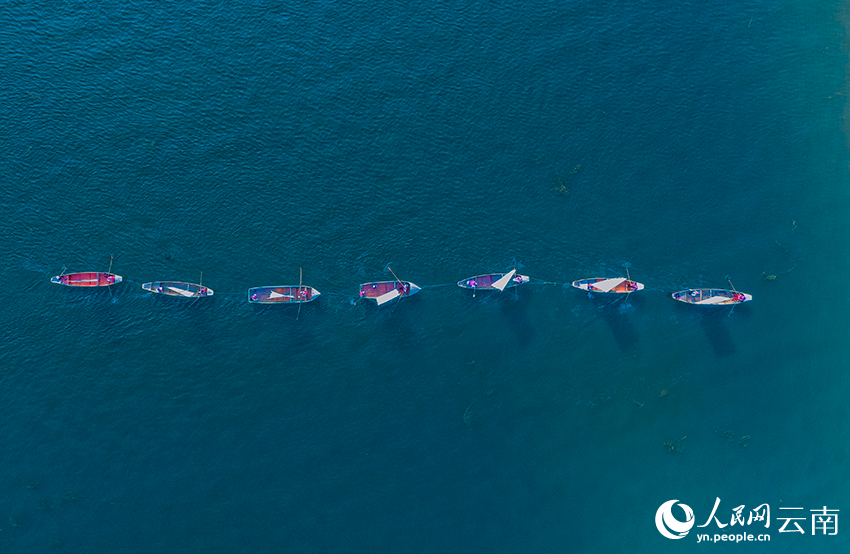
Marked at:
<point>392,321</point>
<point>617,313</point>
<point>514,306</point>
<point>714,322</point>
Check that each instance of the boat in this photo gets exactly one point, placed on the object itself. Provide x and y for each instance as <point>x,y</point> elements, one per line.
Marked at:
<point>494,281</point>
<point>711,297</point>
<point>283,294</point>
<point>178,288</point>
<point>86,279</point>
<point>384,291</point>
<point>618,285</point>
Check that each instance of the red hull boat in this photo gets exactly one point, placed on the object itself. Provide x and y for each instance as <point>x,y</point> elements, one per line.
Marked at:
<point>282,295</point>
<point>494,281</point>
<point>86,279</point>
<point>384,291</point>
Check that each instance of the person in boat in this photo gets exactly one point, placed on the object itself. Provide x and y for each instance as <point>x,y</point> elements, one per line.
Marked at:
<point>472,283</point>
<point>303,294</point>
<point>518,279</point>
<point>740,297</point>
<point>159,289</point>
<point>694,293</point>
<point>254,297</point>
<point>632,285</point>
<point>203,291</point>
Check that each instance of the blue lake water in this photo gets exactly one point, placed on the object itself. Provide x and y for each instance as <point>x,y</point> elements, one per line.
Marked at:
<point>686,143</point>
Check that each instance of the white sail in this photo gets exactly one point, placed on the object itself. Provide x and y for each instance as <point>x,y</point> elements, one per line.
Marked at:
<point>607,284</point>
<point>503,282</point>
<point>715,300</point>
<point>279,295</point>
<point>387,296</point>
<point>181,292</point>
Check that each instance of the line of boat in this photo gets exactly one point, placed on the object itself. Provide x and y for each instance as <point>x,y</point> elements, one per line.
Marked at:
<point>178,288</point>
<point>284,294</point>
<point>382,292</point>
<point>86,279</point>
<point>711,297</point>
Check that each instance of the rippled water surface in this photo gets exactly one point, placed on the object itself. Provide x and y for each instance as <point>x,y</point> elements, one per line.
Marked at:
<point>686,143</point>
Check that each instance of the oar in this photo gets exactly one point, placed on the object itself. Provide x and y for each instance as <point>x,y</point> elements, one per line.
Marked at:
<point>200,286</point>
<point>300,276</point>
<point>107,277</point>
<point>400,282</point>
<point>516,286</point>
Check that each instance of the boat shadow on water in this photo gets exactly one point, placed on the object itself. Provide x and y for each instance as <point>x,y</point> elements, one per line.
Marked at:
<point>515,311</point>
<point>715,322</point>
<point>617,314</point>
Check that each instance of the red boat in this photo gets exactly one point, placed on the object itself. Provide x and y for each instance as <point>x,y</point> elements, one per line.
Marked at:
<point>284,294</point>
<point>86,279</point>
<point>384,291</point>
<point>494,281</point>
<point>619,285</point>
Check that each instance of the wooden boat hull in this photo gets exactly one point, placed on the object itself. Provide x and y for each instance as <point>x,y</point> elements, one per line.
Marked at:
<point>711,297</point>
<point>608,285</point>
<point>86,279</point>
<point>485,282</point>
<point>374,290</point>
<point>178,288</point>
<point>282,295</point>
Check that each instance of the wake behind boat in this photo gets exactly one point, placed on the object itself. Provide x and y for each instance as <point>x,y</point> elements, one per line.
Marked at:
<point>619,285</point>
<point>384,291</point>
<point>282,295</point>
<point>178,288</point>
<point>494,281</point>
<point>711,297</point>
<point>86,279</point>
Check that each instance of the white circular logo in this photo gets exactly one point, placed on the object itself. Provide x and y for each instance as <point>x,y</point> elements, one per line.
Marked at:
<point>668,525</point>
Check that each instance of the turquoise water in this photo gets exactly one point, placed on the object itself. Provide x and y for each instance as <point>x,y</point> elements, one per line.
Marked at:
<point>684,142</point>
